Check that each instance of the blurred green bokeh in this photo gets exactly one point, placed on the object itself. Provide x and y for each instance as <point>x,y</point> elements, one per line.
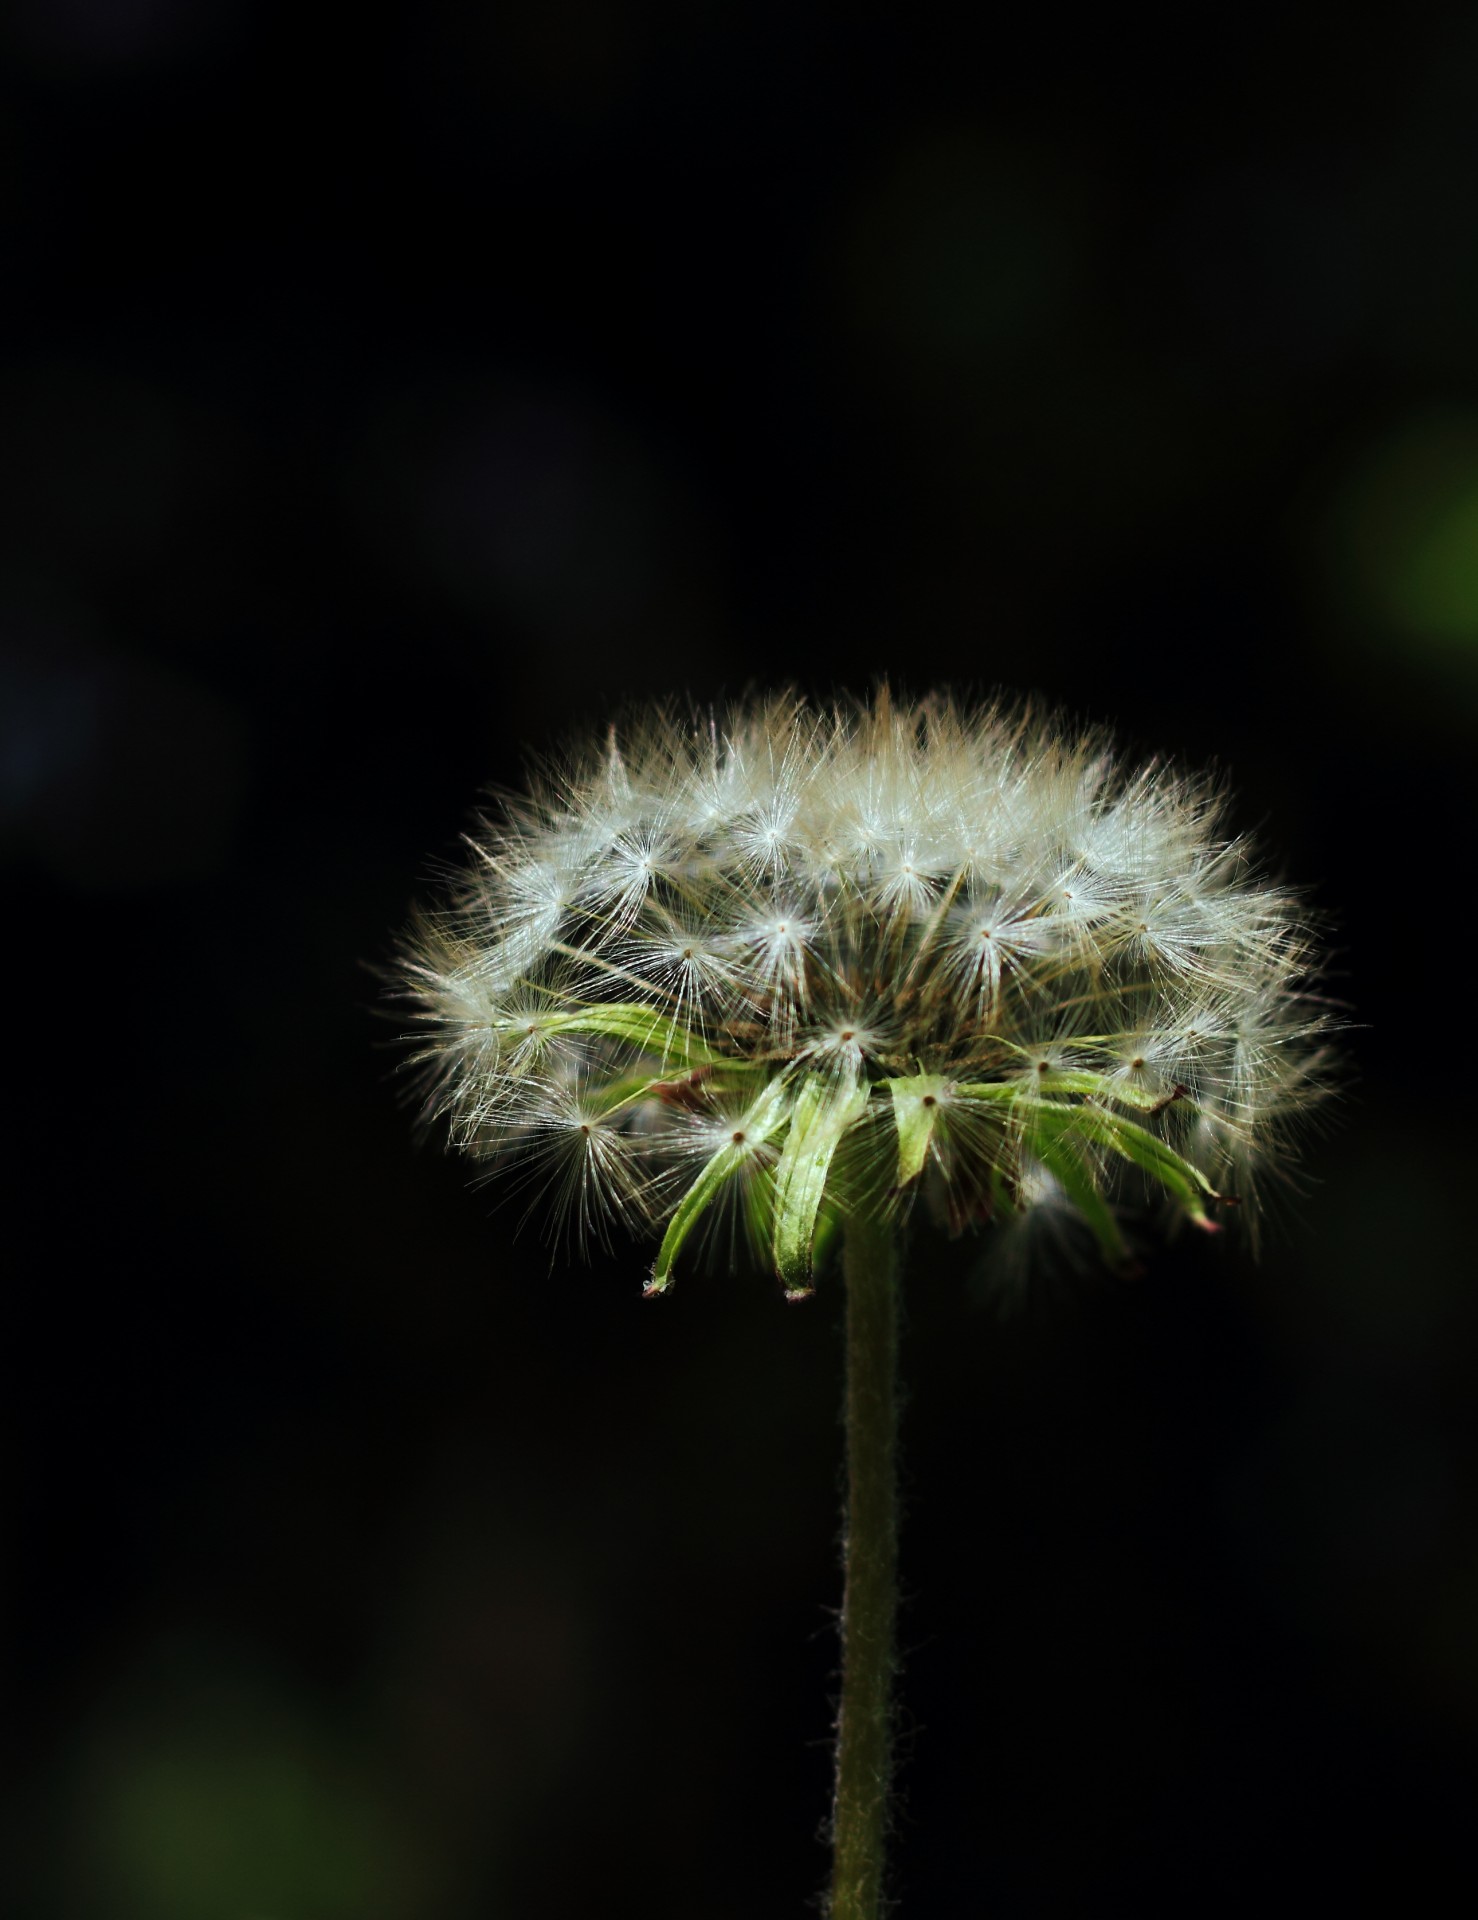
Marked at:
<point>1402,547</point>
<point>206,1791</point>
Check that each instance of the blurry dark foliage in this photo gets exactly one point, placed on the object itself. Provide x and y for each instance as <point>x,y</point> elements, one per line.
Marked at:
<point>386,395</point>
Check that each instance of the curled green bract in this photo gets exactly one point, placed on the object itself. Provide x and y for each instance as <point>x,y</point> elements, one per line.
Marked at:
<point>805,1122</point>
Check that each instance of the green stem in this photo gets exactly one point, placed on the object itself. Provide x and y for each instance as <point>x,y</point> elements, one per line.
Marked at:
<point>870,1599</point>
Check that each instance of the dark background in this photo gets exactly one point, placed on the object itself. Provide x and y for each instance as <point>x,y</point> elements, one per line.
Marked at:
<point>383,401</point>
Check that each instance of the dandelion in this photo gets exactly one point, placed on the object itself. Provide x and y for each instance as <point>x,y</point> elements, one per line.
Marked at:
<point>778,974</point>
<point>1088,976</point>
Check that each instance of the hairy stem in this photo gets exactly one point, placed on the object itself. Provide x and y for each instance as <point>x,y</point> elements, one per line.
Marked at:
<point>870,1600</point>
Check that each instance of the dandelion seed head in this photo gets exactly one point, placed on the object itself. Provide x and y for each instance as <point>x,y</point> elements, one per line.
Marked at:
<point>775,964</point>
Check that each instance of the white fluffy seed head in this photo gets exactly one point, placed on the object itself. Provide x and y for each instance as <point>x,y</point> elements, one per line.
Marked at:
<point>1038,976</point>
